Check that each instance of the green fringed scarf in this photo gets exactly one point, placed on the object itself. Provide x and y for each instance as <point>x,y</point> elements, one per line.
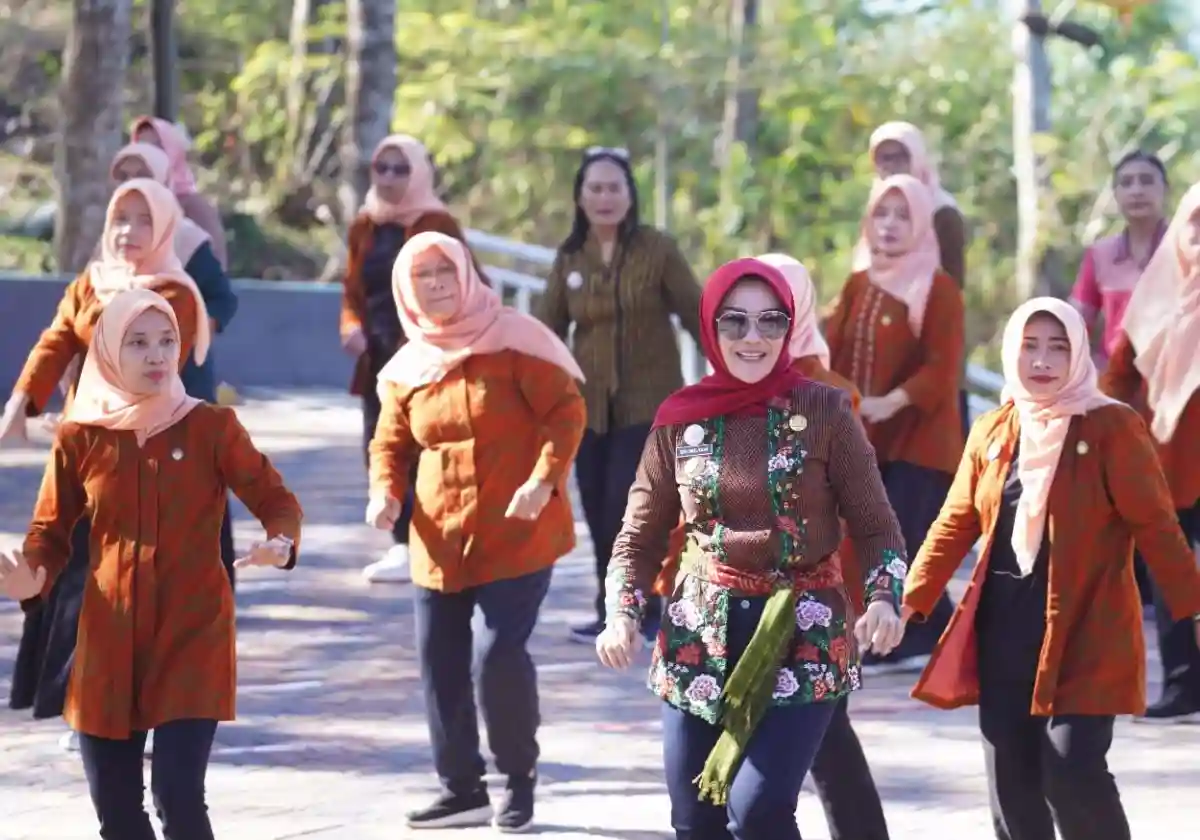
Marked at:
<point>748,691</point>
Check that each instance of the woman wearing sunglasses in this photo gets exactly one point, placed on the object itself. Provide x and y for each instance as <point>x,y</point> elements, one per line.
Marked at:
<point>400,204</point>
<point>757,644</point>
<point>897,334</point>
<point>619,282</point>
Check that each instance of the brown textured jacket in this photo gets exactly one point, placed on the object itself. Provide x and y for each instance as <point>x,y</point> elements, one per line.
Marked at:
<point>623,338</point>
<point>354,296</point>
<point>1108,493</point>
<point>1180,456</point>
<point>156,635</point>
<point>872,345</point>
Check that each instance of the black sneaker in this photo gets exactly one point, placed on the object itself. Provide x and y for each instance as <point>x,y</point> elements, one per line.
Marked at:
<point>516,813</point>
<point>450,811</point>
<point>1174,707</point>
<point>586,634</point>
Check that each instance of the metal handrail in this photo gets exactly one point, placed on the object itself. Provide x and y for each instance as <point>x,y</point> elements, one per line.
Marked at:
<point>522,287</point>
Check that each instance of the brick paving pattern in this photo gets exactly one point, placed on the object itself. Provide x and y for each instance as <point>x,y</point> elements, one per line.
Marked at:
<point>330,743</point>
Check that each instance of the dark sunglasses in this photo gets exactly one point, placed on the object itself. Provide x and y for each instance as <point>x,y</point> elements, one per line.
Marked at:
<point>395,168</point>
<point>608,151</point>
<point>771,324</point>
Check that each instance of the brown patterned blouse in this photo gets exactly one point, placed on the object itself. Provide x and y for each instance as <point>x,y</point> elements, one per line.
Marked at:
<point>70,333</point>
<point>1180,456</point>
<point>477,435</point>
<point>872,345</point>
<point>1108,494</point>
<point>761,500</point>
<point>623,338</point>
<point>156,635</point>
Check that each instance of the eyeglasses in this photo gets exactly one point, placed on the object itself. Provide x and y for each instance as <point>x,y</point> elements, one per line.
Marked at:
<point>771,324</point>
<point>613,151</point>
<point>398,169</point>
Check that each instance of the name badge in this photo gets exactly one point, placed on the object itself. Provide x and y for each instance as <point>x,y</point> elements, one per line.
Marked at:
<point>693,451</point>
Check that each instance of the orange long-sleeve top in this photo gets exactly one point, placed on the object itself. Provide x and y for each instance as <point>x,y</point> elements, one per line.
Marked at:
<point>354,293</point>
<point>872,345</point>
<point>156,629</point>
<point>1108,495</point>
<point>70,334</point>
<point>477,435</point>
<point>1180,456</point>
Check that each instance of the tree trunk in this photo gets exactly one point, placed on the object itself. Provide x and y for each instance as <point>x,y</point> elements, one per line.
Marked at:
<point>370,93</point>
<point>93,96</point>
<point>740,121</point>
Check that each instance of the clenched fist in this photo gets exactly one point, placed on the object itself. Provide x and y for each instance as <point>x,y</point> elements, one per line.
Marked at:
<point>382,512</point>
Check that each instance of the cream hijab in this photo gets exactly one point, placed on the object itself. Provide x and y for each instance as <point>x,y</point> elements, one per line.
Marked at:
<point>1045,421</point>
<point>189,236</point>
<point>806,334</point>
<point>909,276</point>
<point>104,397</point>
<point>1163,321</point>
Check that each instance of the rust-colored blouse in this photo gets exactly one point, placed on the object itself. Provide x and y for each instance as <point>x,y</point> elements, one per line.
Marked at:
<point>354,293</point>
<point>1180,456</point>
<point>872,345</point>
<point>477,435</point>
<point>763,500</point>
<point>156,632</point>
<point>1108,494</point>
<point>70,333</point>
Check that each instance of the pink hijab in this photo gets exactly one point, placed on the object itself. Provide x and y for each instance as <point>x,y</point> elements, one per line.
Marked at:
<point>419,197</point>
<point>1045,421</point>
<point>189,236</point>
<point>909,276</point>
<point>921,167</point>
<point>175,144</point>
<point>104,397</point>
<point>806,335</point>
<point>1162,321</point>
<point>159,264</point>
<point>481,325</point>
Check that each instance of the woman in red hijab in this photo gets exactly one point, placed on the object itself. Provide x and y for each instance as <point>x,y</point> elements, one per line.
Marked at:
<point>756,645</point>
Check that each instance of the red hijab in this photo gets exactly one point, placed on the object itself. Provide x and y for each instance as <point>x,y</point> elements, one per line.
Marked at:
<point>721,392</point>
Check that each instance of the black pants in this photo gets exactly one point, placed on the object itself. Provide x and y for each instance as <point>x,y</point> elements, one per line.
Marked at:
<point>844,783</point>
<point>1042,771</point>
<point>508,693</point>
<point>604,469</point>
<point>1177,639</point>
<point>370,411</point>
<point>177,770</point>
<point>917,495</point>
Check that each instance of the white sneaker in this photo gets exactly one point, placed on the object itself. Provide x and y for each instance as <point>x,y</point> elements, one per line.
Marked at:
<point>392,568</point>
<point>69,741</point>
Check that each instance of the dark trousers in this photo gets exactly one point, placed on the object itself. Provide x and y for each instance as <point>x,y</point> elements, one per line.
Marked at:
<point>1042,771</point>
<point>844,783</point>
<point>1177,639</point>
<point>916,495</point>
<point>604,469</point>
<point>371,410</point>
<point>508,693</point>
<point>177,770</point>
<point>762,798</point>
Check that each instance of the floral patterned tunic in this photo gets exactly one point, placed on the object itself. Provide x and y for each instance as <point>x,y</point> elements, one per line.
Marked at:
<point>763,499</point>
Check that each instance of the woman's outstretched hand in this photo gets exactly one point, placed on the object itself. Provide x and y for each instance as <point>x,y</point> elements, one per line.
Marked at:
<point>880,629</point>
<point>18,580</point>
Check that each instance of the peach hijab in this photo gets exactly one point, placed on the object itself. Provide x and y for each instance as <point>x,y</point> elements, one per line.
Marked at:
<point>189,236</point>
<point>1162,321</point>
<point>104,398</point>
<point>908,277</point>
<point>482,324</point>
<point>419,197</point>
<point>175,144</point>
<point>806,335</point>
<point>159,264</point>
<point>1045,421</point>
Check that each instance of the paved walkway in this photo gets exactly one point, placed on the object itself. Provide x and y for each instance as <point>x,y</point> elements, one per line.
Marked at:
<point>331,743</point>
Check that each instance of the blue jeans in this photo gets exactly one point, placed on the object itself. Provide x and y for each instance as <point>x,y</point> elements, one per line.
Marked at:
<point>762,798</point>
<point>177,770</point>
<point>508,693</point>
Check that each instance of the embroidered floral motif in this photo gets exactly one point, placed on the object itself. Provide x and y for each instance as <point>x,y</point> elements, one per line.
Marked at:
<point>621,598</point>
<point>785,462</point>
<point>885,582</point>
